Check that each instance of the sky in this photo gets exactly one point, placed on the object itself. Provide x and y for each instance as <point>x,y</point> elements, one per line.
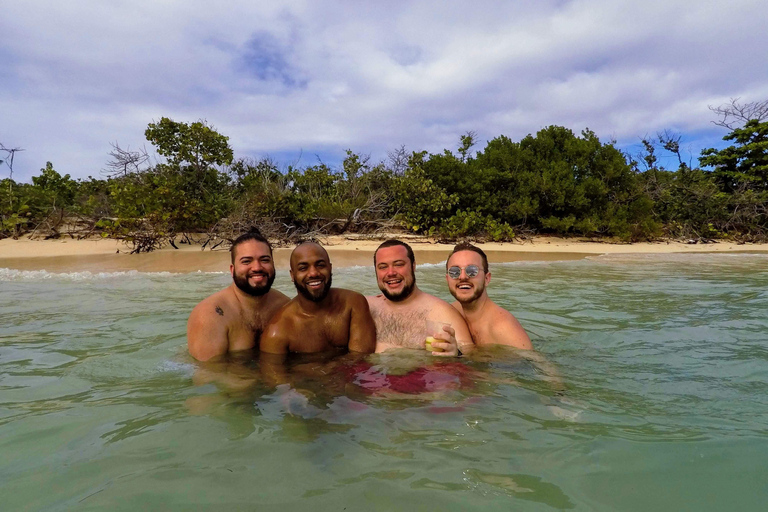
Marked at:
<point>302,81</point>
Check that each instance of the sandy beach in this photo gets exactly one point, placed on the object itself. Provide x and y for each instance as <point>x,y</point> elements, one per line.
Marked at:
<point>105,255</point>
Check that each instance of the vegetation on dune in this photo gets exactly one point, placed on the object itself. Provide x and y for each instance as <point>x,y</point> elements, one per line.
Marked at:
<point>552,182</point>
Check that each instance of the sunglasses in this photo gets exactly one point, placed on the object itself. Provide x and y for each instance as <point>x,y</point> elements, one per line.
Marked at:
<point>471,270</point>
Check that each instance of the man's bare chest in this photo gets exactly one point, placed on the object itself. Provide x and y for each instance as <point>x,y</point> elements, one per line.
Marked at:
<point>320,334</point>
<point>245,331</point>
<point>406,329</point>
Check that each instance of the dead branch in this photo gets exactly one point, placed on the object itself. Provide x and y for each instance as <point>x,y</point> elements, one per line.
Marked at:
<point>735,114</point>
<point>123,162</point>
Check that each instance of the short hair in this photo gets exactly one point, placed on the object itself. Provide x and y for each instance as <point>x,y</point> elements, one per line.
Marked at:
<point>466,246</point>
<point>392,242</point>
<point>252,234</point>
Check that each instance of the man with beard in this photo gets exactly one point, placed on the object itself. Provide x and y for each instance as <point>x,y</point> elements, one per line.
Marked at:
<point>232,320</point>
<point>319,318</point>
<point>468,276</point>
<point>404,315</point>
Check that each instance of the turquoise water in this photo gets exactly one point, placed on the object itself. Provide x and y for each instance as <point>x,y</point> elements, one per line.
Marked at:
<point>665,360</point>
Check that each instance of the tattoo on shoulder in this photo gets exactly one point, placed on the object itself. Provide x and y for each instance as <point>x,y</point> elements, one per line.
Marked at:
<point>219,311</point>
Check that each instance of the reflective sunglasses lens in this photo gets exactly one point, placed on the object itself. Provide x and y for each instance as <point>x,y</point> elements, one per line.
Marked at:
<point>472,270</point>
<point>454,272</point>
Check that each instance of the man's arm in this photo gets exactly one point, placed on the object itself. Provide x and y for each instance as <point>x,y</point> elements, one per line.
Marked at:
<point>461,340</point>
<point>508,331</point>
<point>362,330</point>
<point>207,335</point>
<point>274,339</point>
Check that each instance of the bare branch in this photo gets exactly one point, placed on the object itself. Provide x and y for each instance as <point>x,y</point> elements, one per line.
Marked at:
<point>735,114</point>
<point>671,142</point>
<point>124,161</point>
<point>8,160</point>
<point>398,160</point>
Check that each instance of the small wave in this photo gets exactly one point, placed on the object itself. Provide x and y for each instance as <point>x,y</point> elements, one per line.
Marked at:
<point>431,265</point>
<point>9,274</point>
<point>679,257</point>
<point>176,367</point>
<point>531,263</point>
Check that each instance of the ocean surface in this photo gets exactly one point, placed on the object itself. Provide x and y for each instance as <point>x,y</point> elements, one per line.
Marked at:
<point>664,360</point>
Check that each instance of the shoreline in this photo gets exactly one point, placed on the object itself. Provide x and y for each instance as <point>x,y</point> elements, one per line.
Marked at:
<point>347,250</point>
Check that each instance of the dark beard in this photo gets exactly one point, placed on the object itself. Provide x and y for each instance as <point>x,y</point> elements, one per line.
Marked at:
<point>402,295</point>
<point>304,291</point>
<point>254,291</point>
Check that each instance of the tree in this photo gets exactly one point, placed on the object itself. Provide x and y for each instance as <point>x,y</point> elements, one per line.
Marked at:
<point>125,161</point>
<point>745,164</point>
<point>185,195</point>
<point>195,144</point>
<point>467,141</point>
<point>563,183</point>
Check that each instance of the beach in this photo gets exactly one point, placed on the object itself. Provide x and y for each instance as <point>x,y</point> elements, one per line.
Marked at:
<point>107,255</point>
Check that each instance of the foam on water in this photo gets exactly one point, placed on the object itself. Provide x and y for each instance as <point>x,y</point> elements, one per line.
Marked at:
<point>9,274</point>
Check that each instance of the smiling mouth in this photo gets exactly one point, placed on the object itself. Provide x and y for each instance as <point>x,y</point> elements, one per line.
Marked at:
<point>317,283</point>
<point>464,286</point>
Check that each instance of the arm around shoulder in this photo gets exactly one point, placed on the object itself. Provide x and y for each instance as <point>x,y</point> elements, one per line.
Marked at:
<point>362,330</point>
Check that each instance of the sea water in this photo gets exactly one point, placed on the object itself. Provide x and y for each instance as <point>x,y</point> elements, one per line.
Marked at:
<point>664,360</point>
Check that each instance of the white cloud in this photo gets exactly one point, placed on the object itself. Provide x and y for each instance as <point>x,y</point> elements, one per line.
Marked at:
<point>285,77</point>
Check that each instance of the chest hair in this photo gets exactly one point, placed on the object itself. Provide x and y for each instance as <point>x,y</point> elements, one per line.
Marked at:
<point>400,329</point>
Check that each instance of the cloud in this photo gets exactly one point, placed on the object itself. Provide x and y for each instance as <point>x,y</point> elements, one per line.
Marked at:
<point>300,77</point>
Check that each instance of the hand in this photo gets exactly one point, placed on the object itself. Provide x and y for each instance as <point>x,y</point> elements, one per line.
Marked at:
<point>448,346</point>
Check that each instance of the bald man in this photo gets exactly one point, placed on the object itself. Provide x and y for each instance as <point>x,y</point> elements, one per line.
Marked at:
<point>319,318</point>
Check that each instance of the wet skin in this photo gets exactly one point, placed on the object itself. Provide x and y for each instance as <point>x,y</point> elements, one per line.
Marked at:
<point>233,319</point>
<point>402,310</point>
<point>320,318</point>
<point>488,322</point>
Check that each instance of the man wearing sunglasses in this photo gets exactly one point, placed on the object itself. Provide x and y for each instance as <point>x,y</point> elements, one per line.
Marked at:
<point>468,276</point>
<point>406,316</point>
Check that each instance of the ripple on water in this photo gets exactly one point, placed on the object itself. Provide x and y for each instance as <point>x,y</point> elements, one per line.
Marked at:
<point>664,360</point>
